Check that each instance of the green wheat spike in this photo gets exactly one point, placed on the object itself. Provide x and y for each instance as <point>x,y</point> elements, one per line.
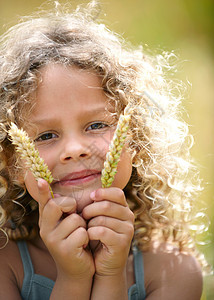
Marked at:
<point>113,155</point>
<point>27,151</point>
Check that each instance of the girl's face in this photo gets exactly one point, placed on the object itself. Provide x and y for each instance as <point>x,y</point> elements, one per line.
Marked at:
<point>73,132</point>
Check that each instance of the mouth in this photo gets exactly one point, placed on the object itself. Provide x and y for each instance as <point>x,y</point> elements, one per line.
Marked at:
<point>78,178</point>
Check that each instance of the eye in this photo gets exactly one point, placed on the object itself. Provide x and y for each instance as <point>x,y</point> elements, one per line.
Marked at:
<point>46,136</point>
<point>97,125</point>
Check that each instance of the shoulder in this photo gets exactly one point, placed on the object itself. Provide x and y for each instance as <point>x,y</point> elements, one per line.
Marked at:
<point>12,273</point>
<point>170,274</point>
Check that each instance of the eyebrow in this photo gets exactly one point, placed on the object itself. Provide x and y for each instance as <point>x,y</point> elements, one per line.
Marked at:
<point>95,111</point>
<point>87,113</point>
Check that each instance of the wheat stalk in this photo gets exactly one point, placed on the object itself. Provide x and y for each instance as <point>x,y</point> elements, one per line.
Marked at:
<point>27,151</point>
<point>113,155</point>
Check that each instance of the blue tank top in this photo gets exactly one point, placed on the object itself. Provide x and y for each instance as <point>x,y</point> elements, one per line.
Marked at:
<point>38,287</point>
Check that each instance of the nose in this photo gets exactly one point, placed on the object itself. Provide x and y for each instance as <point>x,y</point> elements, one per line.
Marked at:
<point>74,149</point>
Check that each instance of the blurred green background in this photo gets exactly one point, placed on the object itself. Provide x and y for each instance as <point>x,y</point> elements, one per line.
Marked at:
<point>186,26</point>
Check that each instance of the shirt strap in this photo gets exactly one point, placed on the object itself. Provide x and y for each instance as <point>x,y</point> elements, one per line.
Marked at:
<point>28,269</point>
<point>139,272</point>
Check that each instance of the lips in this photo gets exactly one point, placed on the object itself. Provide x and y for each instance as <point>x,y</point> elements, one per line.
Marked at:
<point>79,177</point>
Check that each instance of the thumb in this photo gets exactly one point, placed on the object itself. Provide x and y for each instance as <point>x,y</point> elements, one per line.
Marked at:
<point>44,192</point>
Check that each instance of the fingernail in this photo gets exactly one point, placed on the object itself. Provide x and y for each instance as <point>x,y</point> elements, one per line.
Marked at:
<point>93,195</point>
<point>39,182</point>
<point>57,195</point>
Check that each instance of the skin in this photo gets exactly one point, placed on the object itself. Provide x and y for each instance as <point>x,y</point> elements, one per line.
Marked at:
<point>86,231</point>
<point>67,138</point>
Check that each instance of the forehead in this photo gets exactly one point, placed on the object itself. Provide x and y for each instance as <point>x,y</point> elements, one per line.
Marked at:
<point>65,86</point>
<point>53,71</point>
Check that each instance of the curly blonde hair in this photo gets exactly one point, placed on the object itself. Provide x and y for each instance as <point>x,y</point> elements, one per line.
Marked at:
<point>164,182</point>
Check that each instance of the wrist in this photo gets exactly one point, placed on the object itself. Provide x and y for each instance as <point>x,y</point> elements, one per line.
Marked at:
<point>80,273</point>
<point>114,279</point>
<point>66,286</point>
<point>112,287</point>
<point>111,272</point>
<point>75,278</point>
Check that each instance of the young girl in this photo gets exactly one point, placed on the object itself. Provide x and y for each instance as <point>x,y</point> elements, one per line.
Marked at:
<point>65,79</point>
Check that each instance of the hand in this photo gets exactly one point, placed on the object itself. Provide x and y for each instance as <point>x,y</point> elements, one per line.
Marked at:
<point>64,234</point>
<point>111,223</point>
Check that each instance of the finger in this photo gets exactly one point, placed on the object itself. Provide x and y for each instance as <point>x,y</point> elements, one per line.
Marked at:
<point>78,239</point>
<point>107,208</point>
<point>66,204</point>
<point>106,236</point>
<point>49,217</point>
<point>53,210</point>
<point>112,194</point>
<point>44,191</point>
<point>116,225</point>
<point>68,225</point>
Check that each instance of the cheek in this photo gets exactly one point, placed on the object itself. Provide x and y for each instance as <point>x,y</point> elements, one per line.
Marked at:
<point>124,170</point>
<point>105,141</point>
<point>100,146</point>
<point>50,156</point>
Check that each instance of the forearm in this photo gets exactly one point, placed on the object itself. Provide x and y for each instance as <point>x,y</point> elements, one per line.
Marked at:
<point>66,289</point>
<point>110,287</point>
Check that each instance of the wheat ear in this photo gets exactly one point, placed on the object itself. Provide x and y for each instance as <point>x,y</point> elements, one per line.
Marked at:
<point>31,156</point>
<point>113,155</point>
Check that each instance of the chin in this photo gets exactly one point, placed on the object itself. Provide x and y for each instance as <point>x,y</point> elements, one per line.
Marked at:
<point>82,203</point>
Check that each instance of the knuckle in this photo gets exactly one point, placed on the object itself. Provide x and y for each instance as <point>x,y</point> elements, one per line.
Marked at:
<point>40,223</point>
<point>48,239</point>
<point>106,205</point>
<point>130,229</point>
<point>132,216</point>
<point>120,193</point>
<point>74,218</point>
<point>101,220</point>
<point>50,208</point>
<point>81,231</point>
<point>51,204</point>
<point>101,230</point>
<point>42,232</point>
<point>126,240</point>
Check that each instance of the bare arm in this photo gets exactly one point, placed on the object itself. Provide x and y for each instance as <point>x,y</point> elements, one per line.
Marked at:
<point>8,288</point>
<point>173,276</point>
<point>11,272</point>
<point>66,288</point>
